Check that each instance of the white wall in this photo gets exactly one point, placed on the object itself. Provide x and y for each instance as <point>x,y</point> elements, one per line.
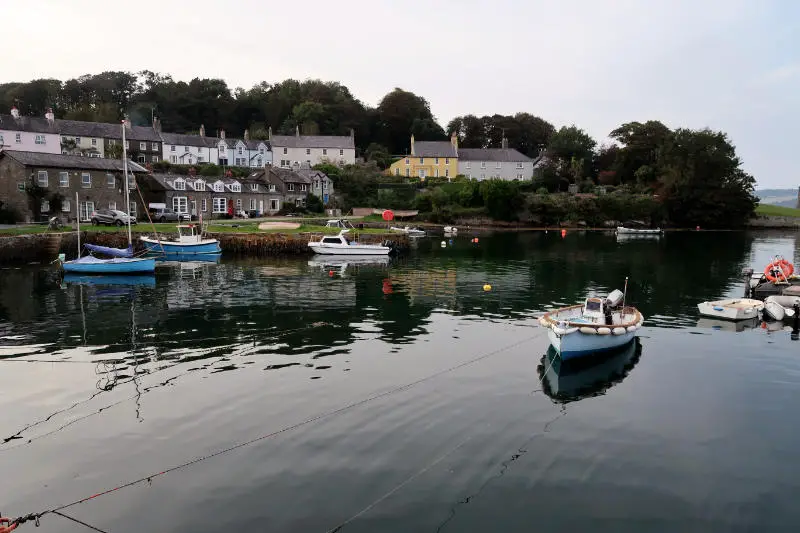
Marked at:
<point>316,156</point>
<point>507,170</point>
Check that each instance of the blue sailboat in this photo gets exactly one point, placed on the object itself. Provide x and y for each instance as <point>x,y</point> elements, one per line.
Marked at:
<point>122,260</point>
<point>189,244</point>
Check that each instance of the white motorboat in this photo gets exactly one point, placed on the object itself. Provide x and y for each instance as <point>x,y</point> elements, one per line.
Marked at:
<point>411,232</point>
<point>452,230</point>
<point>621,230</point>
<point>597,325</point>
<point>780,307</point>
<point>339,245</point>
<point>731,309</point>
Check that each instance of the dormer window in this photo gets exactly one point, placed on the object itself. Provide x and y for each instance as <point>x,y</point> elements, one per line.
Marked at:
<point>261,150</point>
<point>179,185</point>
<point>254,187</point>
<point>235,187</point>
<point>200,185</point>
<point>219,187</point>
<point>240,151</point>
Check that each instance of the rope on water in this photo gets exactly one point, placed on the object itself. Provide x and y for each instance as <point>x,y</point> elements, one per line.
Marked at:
<point>328,414</point>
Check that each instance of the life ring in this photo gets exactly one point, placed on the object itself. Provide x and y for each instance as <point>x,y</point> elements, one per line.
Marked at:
<point>778,269</point>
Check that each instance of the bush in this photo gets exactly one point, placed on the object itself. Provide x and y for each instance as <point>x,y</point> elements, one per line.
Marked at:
<point>314,204</point>
<point>8,215</point>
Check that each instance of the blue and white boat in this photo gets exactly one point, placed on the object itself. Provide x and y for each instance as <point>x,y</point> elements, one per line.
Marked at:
<point>188,244</point>
<point>597,325</point>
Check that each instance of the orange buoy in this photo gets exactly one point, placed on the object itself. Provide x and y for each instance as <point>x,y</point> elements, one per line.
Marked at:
<point>563,233</point>
<point>330,273</point>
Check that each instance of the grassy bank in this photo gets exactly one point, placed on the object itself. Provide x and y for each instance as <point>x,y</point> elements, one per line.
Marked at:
<point>777,211</point>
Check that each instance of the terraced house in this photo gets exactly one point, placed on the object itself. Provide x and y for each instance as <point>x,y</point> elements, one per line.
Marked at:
<point>294,151</point>
<point>37,186</point>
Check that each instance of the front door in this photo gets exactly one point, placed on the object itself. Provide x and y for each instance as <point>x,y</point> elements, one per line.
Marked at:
<point>260,207</point>
<point>86,210</point>
<point>194,208</point>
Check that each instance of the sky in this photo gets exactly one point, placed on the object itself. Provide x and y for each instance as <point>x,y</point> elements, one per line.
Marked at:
<point>730,65</point>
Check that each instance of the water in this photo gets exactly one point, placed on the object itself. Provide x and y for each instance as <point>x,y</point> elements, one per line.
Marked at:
<point>690,431</point>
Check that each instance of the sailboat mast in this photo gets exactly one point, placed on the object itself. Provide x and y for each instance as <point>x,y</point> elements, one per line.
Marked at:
<point>127,190</point>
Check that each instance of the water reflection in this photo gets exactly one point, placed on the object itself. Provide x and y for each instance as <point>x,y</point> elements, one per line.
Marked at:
<point>585,377</point>
<point>728,325</point>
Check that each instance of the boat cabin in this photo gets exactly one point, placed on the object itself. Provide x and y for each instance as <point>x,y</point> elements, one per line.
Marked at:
<point>339,224</point>
<point>336,239</point>
<point>187,234</point>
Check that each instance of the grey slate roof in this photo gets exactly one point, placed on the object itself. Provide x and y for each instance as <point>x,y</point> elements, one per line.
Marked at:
<point>36,159</point>
<point>78,128</point>
<point>29,124</point>
<point>508,155</point>
<point>252,144</point>
<point>310,173</point>
<point>434,149</point>
<point>180,139</point>
<point>313,141</point>
<point>287,175</point>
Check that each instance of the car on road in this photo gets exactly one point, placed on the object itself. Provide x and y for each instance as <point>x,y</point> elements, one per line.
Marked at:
<point>164,214</point>
<point>111,217</point>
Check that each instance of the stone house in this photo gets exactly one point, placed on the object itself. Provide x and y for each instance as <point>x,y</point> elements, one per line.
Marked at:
<point>321,184</point>
<point>38,186</point>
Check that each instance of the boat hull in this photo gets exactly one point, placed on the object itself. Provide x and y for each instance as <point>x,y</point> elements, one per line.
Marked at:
<point>577,344</point>
<point>631,231</point>
<point>208,247</point>
<point>349,250</point>
<point>93,265</point>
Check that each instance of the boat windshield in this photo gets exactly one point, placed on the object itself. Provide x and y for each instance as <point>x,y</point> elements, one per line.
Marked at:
<point>592,305</point>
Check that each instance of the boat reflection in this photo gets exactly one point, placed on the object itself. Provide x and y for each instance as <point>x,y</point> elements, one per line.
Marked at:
<point>728,325</point>
<point>78,279</point>
<point>585,377</point>
<point>185,258</point>
<point>341,263</point>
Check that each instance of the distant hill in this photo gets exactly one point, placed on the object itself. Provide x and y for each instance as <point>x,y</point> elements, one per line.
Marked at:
<point>783,197</point>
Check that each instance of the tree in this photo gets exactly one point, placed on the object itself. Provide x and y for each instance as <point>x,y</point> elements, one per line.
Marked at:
<point>398,112</point>
<point>573,149</point>
<point>379,154</point>
<point>502,199</point>
<point>641,143</point>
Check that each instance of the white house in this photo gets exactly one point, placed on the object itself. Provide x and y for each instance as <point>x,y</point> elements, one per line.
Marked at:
<point>243,152</point>
<point>29,134</point>
<point>182,149</point>
<point>498,163</point>
<point>292,151</point>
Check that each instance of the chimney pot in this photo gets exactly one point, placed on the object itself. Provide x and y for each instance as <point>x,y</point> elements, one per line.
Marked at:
<point>246,135</point>
<point>269,132</point>
<point>297,131</point>
<point>221,134</point>
<point>14,112</point>
<point>202,130</point>
<point>504,143</point>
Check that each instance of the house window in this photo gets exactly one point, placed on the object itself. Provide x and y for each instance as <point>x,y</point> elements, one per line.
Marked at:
<point>41,178</point>
<point>155,147</point>
<point>308,151</point>
<point>179,185</point>
<point>219,205</point>
<point>45,206</point>
<point>254,187</point>
<point>173,159</point>
<point>519,176</point>
<point>298,202</point>
<point>63,179</point>
<point>436,172</point>
<point>204,204</point>
<point>483,164</point>
<point>200,185</point>
<point>483,176</point>
<point>324,185</point>
<point>200,159</point>
<point>303,187</point>
<point>110,181</point>
<point>421,160</point>
<point>446,160</point>
<point>238,203</point>
<point>236,187</point>
<point>396,171</point>
<point>85,210</point>
<point>132,209</point>
<point>142,146</point>
<point>290,187</point>
<point>77,141</point>
<point>422,173</point>
<point>447,173</point>
<point>436,160</point>
<point>341,152</point>
<point>407,161</point>
<point>140,158</point>
<point>519,165</point>
<point>65,206</point>
<point>18,138</point>
<point>1,139</point>
<point>408,172</point>
<point>316,184</point>
<point>86,180</point>
<point>112,206</point>
<point>285,151</point>
<point>239,151</point>
<point>94,142</point>
<point>324,151</point>
<point>274,204</point>
<point>172,148</point>
<point>498,165</point>
<point>180,204</point>
<point>271,187</point>
<point>252,204</point>
<point>155,159</point>
<point>40,139</point>
<point>261,150</point>
<point>468,164</point>
<point>21,186</point>
<point>219,187</point>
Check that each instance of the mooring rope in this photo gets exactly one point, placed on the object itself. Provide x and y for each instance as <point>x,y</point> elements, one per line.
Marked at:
<point>36,516</point>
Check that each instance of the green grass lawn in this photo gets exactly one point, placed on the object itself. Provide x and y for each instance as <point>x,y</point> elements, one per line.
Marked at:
<point>777,211</point>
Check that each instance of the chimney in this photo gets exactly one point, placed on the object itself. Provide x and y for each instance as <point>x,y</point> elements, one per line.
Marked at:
<point>412,144</point>
<point>50,116</point>
<point>269,133</point>
<point>297,131</point>
<point>14,112</point>
<point>222,134</point>
<point>352,133</point>
<point>246,135</point>
<point>127,124</point>
<point>454,140</point>
<point>156,125</point>
<point>202,130</point>
<point>504,143</point>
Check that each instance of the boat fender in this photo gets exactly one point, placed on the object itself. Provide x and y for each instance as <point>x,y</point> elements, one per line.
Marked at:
<point>543,322</point>
<point>588,331</point>
<point>619,331</point>
<point>631,329</point>
<point>603,331</point>
<point>563,331</point>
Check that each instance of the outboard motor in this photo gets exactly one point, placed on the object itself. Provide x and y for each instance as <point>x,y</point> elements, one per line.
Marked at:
<point>614,298</point>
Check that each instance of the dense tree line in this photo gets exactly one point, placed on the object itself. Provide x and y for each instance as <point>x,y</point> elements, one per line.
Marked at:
<point>695,174</point>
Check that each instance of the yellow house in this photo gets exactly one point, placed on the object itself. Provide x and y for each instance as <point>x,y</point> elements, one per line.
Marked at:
<point>429,159</point>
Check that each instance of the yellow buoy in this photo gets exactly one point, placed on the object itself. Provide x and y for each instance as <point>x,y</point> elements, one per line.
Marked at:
<point>487,287</point>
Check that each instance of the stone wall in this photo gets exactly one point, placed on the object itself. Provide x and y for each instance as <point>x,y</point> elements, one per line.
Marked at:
<point>774,222</point>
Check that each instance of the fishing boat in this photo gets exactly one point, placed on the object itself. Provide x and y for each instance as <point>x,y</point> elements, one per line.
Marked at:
<point>339,245</point>
<point>597,325</point>
<point>189,242</point>
<point>731,309</point>
<point>411,232</point>
<point>122,260</point>
<point>576,379</point>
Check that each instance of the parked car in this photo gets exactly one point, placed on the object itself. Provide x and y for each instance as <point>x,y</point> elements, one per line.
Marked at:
<point>168,215</point>
<point>110,217</point>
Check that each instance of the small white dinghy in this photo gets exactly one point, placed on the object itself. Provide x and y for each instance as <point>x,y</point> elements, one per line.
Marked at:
<point>597,325</point>
<point>780,307</point>
<point>731,309</point>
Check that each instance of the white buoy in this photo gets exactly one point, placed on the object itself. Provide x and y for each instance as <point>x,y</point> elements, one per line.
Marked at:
<point>444,244</point>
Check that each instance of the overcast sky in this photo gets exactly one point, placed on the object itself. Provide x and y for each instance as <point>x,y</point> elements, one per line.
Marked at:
<point>730,65</point>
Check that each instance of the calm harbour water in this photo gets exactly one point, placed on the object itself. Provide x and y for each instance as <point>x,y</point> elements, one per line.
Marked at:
<point>691,430</point>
